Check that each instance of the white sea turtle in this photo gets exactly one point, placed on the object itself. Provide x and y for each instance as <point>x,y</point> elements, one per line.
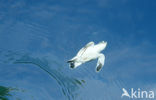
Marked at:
<point>89,52</point>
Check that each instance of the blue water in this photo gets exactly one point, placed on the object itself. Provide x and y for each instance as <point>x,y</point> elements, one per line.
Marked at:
<point>42,77</point>
<point>37,38</point>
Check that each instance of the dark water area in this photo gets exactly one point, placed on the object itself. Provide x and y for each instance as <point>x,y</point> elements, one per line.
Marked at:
<point>66,84</point>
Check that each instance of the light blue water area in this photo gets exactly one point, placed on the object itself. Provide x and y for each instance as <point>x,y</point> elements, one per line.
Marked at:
<point>37,38</point>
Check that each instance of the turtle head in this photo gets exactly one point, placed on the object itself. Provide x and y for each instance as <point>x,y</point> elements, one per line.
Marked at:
<point>74,64</point>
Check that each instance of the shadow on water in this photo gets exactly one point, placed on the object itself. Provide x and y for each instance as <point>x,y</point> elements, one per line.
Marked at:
<point>6,92</point>
<point>67,84</point>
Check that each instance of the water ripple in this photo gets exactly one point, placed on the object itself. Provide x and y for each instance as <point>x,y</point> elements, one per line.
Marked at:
<point>68,84</point>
